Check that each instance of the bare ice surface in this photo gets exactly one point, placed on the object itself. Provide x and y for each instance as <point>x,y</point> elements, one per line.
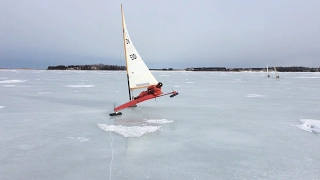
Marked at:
<point>222,125</point>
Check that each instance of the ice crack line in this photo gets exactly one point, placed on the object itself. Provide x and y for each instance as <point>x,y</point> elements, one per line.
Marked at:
<point>111,154</point>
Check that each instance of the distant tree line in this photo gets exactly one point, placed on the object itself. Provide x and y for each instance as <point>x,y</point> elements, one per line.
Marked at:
<point>163,69</point>
<point>297,69</point>
<point>116,67</point>
<point>207,69</point>
<point>95,67</point>
<point>279,69</point>
<point>87,67</point>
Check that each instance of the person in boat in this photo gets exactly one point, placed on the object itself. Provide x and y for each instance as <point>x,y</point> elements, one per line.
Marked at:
<point>153,89</point>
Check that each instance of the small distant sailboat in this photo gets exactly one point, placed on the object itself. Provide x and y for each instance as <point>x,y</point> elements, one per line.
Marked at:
<point>275,70</point>
<point>138,74</point>
<point>268,70</point>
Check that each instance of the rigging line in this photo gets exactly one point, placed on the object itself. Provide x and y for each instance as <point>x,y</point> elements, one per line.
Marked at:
<point>141,52</point>
<point>118,76</point>
<point>111,155</point>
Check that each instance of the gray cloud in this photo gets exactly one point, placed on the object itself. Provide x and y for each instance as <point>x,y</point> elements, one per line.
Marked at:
<point>176,34</point>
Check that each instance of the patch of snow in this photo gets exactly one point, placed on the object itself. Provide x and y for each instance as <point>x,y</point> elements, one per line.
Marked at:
<point>254,95</point>
<point>12,81</point>
<point>310,125</point>
<point>81,139</point>
<point>129,131</point>
<point>44,92</point>
<point>79,86</point>
<point>158,121</point>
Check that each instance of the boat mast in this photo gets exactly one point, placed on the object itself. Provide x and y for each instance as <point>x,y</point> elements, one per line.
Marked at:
<point>125,51</point>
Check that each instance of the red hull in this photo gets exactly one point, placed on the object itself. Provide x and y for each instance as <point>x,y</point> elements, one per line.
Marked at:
<point>139,100</point>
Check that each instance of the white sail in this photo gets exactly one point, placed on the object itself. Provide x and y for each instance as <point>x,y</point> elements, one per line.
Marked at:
<point>139,75</point>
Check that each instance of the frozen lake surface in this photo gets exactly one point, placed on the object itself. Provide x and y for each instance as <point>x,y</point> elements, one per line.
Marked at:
<point>222,125</point>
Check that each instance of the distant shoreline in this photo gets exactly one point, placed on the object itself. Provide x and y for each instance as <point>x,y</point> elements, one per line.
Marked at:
<point>217,69</point>
<point>224,69</point>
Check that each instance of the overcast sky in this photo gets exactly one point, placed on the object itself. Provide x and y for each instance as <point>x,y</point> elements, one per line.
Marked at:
<point>167,33</point>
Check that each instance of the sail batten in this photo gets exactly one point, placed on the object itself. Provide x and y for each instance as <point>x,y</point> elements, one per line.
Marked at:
<point>139,87</point>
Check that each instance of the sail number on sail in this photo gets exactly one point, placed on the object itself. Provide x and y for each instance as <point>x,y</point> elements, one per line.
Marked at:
<point>127,41</point>
<point>133,56</point>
